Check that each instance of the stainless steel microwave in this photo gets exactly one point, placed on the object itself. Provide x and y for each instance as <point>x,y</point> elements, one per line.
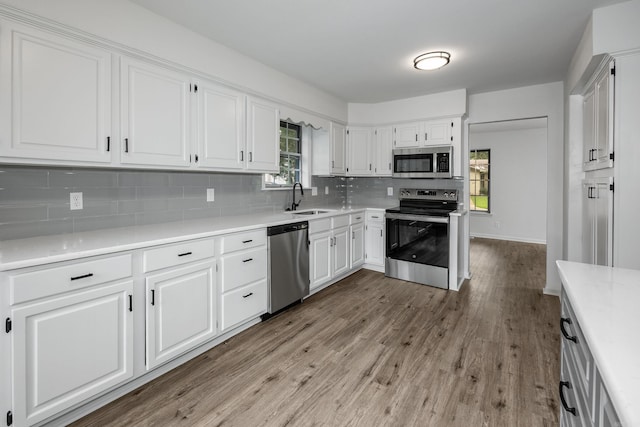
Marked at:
<point>424,162</point>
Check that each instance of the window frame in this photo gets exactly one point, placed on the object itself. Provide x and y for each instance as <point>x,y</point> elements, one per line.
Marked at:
<point>480,181</point>
<point>303,148</point>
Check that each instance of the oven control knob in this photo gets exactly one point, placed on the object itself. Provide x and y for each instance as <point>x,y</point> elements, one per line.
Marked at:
<point>446,194</point>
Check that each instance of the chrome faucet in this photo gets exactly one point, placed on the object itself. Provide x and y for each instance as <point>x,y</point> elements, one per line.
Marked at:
<point>294,205</point>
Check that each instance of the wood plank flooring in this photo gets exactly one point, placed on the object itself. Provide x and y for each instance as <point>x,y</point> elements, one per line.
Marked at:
<point>374,351</point>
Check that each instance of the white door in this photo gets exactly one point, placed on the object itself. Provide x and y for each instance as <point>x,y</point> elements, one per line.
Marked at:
<point>357,245</point>
<point>155,109</point>
<point>406,135</point>
<point>437,132</point>
<point>70,348</point>
<point>341,255</point>
<point>263,136</point>
<point>56,94</point>
<point>338,149</point>
<point>221,132</point>
<point>603,143</point>
<point>384,151</point>
<point>359,152</point>
<point>374,241</point>
<point>320,251</point>
<point>181,311</point>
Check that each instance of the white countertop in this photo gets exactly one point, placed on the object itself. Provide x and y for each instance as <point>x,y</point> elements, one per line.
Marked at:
<point>606,302</point>
<point>35,251</point>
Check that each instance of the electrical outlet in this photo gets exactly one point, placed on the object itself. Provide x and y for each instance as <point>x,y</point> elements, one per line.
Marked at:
<point>75,201</point>
<point>210,194</point>
<point>389,191</point>
<point>497,224</point>
<point>326,189</point>
<point>314,191</point>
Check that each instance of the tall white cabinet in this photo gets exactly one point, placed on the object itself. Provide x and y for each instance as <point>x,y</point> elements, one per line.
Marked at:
<point>597,221</point>
<point>57,100</point>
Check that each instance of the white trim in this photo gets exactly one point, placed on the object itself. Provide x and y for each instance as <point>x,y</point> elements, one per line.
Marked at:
<point>551,291</point>
<point>509,238</point>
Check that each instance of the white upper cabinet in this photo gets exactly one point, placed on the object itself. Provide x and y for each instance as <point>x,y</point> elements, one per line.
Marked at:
<point>406,135</point>
<point>221,132</point>
<point>338,149</point>
<point>360,152</point>
<point>437,132</point>
<point>420,134</point>
<point>597,121</point>
<point>383,142</point>
<point>155,115</point>
<point>56,97</point>
<point>263,136</point>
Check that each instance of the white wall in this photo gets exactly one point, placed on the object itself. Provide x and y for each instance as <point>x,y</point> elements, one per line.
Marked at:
<point>545,100</point>
<point>518,190</point>
<point>452,103</point>
<point>128,24</point>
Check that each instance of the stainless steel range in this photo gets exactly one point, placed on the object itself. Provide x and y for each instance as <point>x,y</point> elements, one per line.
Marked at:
<point>418,241</point>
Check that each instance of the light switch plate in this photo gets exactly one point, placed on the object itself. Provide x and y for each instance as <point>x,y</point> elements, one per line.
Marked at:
<point>389,191</point>
<point>75,201</point>
<point>314,191</point>
<point>210,194</point>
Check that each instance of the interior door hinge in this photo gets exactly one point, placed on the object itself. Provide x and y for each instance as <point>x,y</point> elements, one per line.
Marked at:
<point>347,132</point>
<point>9,418</point>
<point>611,187</point>
<point>613,71</point>
<point>7,325</point>
<point>611,156</point>
<point>195,88</point>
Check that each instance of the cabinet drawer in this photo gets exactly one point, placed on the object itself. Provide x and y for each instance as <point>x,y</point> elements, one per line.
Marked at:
<point>243,304</point>
<point>319,225</point>
<point>182,253</point>
<point>375,216</point>
<point>356,218</point>
<point>573,394</point>
<point>243,268</point>
<point>238,241</point>
<point>578,350</point>
<point>340,221</point>
<point>70,277</point>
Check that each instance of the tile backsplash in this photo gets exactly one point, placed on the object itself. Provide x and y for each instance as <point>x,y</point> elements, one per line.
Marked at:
<point>34,201</point>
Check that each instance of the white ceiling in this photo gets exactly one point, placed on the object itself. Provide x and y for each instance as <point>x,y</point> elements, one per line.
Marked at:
<point>363,50</point>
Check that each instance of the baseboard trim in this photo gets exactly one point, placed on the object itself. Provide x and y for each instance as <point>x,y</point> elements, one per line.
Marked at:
<point>551,291</point>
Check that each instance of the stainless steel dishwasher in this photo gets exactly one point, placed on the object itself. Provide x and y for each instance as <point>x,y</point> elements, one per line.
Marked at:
<point>288,264</point>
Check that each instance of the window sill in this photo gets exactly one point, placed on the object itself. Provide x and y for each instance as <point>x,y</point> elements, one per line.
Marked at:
<point>480,213</point>
<point>283,188</point>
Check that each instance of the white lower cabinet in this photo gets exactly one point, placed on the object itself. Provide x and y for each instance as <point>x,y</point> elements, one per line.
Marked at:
<point>243,277</point>
<point>597,221</point>
<point>357,240</point>
<point>374,239</point>
<point>181,311</point>
<point>320,251</point>
<point>69,348</point>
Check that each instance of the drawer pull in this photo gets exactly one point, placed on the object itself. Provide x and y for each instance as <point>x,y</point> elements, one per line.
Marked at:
<point>358,217</point>
<point>563,400</point>
<point>247,241</point>
<point>564,320</point>
<point>247,295</point>
<point>185,254</point>
<point>247,260</point>
<point>375,216</point>
<point>84,276</point>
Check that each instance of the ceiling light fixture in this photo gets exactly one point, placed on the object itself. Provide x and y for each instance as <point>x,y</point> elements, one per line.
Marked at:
<point>431,60</point>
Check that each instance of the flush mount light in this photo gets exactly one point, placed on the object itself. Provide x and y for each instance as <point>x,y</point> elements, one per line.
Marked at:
<point>431,60</point>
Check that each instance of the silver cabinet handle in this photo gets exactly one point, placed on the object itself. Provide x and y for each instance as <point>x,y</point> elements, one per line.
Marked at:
<point>250,156</point>
<point>242,155</point>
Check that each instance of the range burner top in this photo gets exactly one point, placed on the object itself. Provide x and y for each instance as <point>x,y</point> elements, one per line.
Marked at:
<point>416,201</point>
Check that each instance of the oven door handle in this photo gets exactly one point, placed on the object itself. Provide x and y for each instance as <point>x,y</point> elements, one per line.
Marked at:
<point>421,218</point>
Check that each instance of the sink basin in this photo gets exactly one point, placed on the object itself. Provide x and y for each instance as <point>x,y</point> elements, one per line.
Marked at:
<point>310,212</point>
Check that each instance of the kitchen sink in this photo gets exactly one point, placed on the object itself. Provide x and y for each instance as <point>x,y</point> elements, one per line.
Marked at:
<point>310,212</point>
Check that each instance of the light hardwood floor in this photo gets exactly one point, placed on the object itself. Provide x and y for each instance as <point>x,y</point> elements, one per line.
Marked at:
<point>374,351</point>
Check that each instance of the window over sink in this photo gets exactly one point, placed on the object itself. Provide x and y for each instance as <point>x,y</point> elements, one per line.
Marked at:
<point>293,168</point>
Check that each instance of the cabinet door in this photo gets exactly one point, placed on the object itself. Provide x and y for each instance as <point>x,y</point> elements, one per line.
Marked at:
<point>384,147</point>
<point>341,239</point>
<point>588,224</point>
<point>68,349</point>
<point>437,132</point>
<point>374,243</point>
<point>155,109</point>
<point>56,95</point>
<point>359,150</point>
<point>588,128</point>
<point>603,223</point>
<point>221,119</point>
<point>357,245</point>
<point>320,258</point>
<point>406,135</point>
<point>338,149</point>
<point>603,144</point>
<point>263,136</point>
<point>180,311</point>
